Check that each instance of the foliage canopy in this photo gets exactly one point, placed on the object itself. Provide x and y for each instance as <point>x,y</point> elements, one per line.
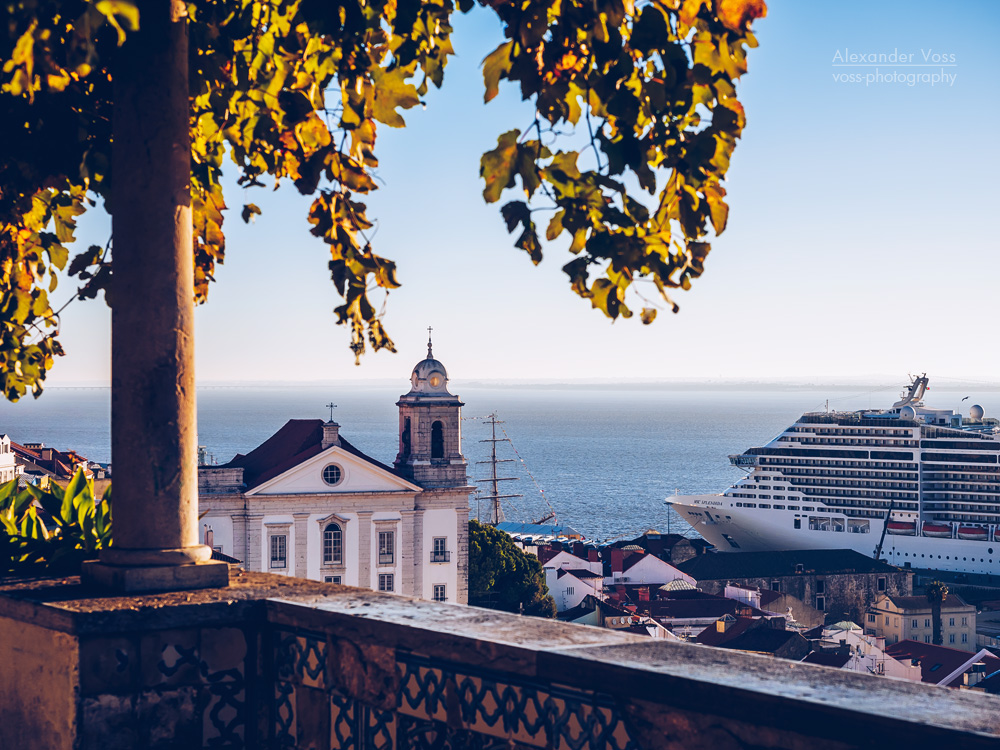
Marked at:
<point>503,577</point>
<point>295,90</point>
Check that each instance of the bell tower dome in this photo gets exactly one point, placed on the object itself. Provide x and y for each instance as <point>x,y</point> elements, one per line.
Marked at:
<point>430,428</point>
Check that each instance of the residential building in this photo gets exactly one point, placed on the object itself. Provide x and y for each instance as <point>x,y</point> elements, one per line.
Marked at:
<point>9,467</point>
<point>308,503</point>
<point>37,461</point>
<point>910,618</point>
<point>944,666</point>
<point>614,616</point>
<point>845,645</point>
<point>570,579</point>
<point>840,583</point>
<point>636,566</point>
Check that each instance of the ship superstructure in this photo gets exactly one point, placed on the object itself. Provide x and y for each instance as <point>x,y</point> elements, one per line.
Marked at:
<point>918,486</point>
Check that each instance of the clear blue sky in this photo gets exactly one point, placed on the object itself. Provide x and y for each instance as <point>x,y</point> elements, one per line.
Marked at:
<point>861,238</point>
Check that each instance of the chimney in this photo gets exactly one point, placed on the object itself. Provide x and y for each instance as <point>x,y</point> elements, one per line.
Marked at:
<point>579,550</point>
<point>593,555</point>
<point>617,560</point>
<point>544,553</point>
<point>331,435</point>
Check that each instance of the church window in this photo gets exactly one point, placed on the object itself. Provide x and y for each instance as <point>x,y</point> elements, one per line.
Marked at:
<point>278,554</point>
<point>332,474</point>
<point>405,438</point>
<point>385,582</point>
<point>437,440</point>
<point>386,547</point>
<point>333,545</point>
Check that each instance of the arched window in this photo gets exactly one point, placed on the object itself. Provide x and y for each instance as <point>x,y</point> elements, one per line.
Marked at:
<point>437,440</point>
<point>333,545</point>
<point>404,439</point>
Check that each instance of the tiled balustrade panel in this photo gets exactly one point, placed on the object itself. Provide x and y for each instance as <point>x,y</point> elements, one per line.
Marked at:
<point>428,704</point>
<point>164,689</point>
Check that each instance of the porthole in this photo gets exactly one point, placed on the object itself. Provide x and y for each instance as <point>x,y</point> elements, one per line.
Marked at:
<point>332,474</point>
<point>990,550</point>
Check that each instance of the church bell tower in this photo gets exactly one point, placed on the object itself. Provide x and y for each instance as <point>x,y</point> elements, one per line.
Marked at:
<point>430,428</point>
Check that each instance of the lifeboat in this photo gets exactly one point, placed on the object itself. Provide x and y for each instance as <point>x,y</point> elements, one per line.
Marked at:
<point>979,533</point>
<point>901,527</point>
<point>937,529</point>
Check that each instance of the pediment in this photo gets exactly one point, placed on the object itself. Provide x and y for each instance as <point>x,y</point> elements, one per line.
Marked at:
<point>357,475</point>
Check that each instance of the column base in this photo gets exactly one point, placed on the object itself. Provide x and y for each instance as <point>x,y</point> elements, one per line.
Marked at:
<point>138,579</point>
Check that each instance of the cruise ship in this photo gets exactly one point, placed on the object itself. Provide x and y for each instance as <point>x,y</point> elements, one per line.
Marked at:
<point>916,486</point>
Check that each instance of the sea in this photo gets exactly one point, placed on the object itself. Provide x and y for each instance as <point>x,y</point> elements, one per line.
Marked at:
<point>602,458</point>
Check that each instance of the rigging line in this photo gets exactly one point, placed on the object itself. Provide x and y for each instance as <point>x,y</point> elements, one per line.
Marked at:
<point>528,471</point>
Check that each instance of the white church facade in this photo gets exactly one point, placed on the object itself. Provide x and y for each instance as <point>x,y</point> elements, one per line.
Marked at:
<point>307,503</point>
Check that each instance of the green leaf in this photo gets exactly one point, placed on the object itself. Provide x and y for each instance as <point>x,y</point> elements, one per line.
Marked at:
<point>496,65</point>
<point>498,167</point>
<point>392,91</point>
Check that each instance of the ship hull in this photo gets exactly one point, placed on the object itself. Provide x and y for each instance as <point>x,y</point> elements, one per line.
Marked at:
<point>733,529</point>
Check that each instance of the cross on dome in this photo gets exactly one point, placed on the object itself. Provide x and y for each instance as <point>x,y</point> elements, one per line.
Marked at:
<point>430,353</point>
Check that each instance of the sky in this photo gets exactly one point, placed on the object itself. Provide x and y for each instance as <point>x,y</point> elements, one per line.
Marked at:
<point>861,239</point>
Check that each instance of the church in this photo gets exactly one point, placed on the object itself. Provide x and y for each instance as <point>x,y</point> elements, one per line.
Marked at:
<point>307,503</point>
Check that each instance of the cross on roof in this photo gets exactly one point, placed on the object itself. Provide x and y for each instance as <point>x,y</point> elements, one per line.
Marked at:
<point>430,353</point>
<point>331,406</point>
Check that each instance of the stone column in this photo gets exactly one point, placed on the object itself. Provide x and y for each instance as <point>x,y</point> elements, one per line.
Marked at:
<point>301,569</point>
<point>240,538</point>
<point>153,432</point>
<point>255,541</point>
<point>409,555</point>
<point>365,549</point>
<point>462,553</point>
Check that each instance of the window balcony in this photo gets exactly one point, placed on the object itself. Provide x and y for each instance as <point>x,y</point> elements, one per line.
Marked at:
<point>386,558</point>
<point>442,556</point>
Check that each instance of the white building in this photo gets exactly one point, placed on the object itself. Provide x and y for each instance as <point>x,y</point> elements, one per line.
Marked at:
<point>9,469</point>
<point>307,503</point>
<point>641,569</point>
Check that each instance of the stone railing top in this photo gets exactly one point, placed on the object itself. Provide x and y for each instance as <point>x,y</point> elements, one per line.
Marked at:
<point>661,685</point>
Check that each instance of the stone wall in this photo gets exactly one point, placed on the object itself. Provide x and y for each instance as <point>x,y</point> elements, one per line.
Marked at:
<point>846,595</point>
<point>272,662</point>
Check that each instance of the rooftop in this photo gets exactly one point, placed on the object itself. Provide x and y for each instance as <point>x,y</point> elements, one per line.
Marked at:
<point>937,662</point>
<point>296,441</point>
<point>730,565</point>
<point>952,601</point>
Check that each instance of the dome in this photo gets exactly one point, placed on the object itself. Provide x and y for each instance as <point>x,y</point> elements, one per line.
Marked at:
<point>976,412</point>
<point>429,375</point>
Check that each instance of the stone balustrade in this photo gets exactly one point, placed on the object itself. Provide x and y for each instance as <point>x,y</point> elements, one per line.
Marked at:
<point>273,662</point>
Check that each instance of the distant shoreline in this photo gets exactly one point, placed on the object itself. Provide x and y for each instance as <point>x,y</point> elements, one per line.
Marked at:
<point>689,385</point>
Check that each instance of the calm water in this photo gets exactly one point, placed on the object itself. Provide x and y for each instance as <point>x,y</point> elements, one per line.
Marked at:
<point>605,457</point>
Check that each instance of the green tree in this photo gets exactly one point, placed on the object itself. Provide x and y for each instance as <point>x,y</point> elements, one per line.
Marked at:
<point>937,592</point>
<point>296,90</point>
<point>503,577</point>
